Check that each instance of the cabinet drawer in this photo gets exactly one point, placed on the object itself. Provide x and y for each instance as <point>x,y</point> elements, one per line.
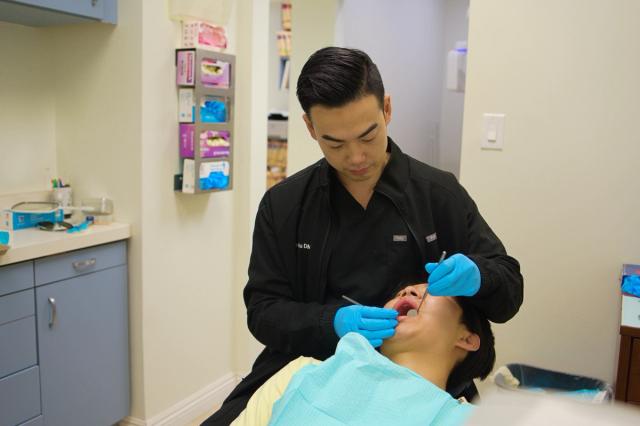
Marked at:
<point>89,8</point>
<point>80,262</point>
<point>20,397</point>
<point>16,277</point>
<point>16,306</point>
<point>18,346</point>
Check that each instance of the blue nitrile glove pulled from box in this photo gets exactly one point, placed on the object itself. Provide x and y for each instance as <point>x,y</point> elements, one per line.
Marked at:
<point>375,324</point>
<point>455,276</point>
<point>215,180</point>
<point>631,285</point>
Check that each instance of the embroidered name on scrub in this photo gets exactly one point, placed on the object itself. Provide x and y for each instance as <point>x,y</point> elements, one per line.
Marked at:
<point>305,246</point>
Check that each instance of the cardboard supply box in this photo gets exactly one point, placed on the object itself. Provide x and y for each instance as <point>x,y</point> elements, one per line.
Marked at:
<point>213,143</point>
<point>13,220</point>
<point>203,35</point>
<point>186,105</point>
<point>185,67</point>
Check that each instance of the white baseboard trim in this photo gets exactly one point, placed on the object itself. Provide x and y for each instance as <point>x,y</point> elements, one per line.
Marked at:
<point>192,407</point>
<point>132,421</point>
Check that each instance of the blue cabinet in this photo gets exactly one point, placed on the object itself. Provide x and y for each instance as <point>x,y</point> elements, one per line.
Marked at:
<point>64,345</point>
<point>83,346</point>
<point>41,13</point>
<point>19,397</point>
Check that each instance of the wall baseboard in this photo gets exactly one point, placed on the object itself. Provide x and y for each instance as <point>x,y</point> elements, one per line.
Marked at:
<point>192,407</point>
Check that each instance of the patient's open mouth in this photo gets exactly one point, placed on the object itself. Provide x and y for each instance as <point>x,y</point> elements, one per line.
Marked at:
<point>404,305</point>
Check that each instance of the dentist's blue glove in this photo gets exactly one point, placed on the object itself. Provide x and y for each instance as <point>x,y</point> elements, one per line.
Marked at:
<point>375,324</point>
<point>455,276</point>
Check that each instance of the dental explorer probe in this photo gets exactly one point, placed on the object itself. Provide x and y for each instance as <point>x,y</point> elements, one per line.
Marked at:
<point>414,312</point>
<point>351,300</point>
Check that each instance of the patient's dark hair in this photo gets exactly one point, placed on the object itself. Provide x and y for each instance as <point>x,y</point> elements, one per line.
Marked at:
<point>477,364</point>
<point>335,76</point>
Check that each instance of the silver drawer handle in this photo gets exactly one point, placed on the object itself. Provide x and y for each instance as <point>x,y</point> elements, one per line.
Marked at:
<point>53,313</point>
<point>84,264</point>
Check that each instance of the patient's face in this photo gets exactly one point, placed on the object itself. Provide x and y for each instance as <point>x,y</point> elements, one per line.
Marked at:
<point>436,327</point>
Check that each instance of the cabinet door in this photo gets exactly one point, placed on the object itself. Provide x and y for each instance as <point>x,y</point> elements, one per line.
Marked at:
<point>42,13</point>
<point>83,348</point>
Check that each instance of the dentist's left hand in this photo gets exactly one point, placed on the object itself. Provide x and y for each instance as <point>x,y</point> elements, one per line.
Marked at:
<point>375,324</point>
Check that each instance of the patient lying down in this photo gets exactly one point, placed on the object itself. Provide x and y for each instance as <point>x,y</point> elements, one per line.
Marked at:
<point>447,344</point>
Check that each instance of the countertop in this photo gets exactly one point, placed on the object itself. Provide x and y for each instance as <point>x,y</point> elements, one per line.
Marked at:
<point>32,243</point>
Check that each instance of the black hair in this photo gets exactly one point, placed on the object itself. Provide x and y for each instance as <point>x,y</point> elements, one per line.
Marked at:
<point>335,76</point>
<point>476,364</point>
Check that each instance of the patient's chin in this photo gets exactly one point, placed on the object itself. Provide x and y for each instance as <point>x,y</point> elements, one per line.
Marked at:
<point>403,340</point>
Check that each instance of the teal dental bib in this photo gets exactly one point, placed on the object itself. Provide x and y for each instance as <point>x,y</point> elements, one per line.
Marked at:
<point>359,386</point>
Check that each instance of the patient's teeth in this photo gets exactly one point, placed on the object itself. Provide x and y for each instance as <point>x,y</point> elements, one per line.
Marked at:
<point>412,313</point>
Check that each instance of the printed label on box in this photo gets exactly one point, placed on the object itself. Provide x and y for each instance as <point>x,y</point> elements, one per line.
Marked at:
<point>213,143</point>
<point>186,105</point>
<point>203,35</point>
<point>214,175</point>
<point>185,67</point>
<point>214,73</point>
<point>188,176</point>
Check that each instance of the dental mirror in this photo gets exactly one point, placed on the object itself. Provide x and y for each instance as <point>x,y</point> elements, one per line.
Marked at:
<point>414,312</point>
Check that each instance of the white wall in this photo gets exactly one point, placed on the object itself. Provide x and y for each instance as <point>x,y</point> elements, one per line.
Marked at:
<point>405,39</point>
<point>451,112</point>
<point>250,160</point>
<point>563,193</point>
<point>312,27</point>
<point>98,132</point>
<point>27,140</point>
<point>278,99</point>
<point>187,244</point>
<point>196,248</point>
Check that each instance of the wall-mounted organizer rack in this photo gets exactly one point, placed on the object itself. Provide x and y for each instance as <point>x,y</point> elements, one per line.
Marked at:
<point>206,101</point>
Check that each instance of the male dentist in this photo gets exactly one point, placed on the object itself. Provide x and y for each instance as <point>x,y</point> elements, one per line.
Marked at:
<point>359,222</point>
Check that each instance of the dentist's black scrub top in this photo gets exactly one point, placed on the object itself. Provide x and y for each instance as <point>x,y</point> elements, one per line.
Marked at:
<point>373,251</point>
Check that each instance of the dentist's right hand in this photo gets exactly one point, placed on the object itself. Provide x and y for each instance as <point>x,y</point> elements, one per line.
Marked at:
<point>375,324</point>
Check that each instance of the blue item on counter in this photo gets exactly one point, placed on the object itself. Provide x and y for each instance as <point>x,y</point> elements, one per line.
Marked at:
<point>80,227</point>
<point>631,285</point>
<point>375,324</point>
<point>456,276</point>
<point>5,237</point>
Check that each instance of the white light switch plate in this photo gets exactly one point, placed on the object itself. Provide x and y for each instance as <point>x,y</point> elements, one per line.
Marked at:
<point>493,132</point>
